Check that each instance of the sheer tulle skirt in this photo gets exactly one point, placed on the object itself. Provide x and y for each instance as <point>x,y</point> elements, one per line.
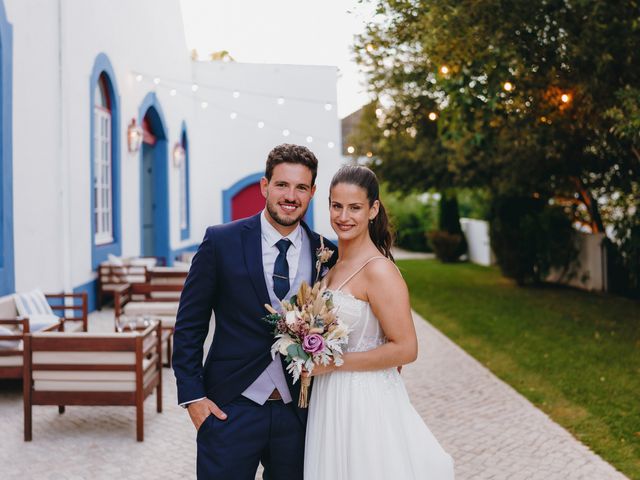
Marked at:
<point>362,426</point>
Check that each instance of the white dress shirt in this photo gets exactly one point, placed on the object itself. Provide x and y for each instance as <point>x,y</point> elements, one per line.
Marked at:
<point>270,236</point>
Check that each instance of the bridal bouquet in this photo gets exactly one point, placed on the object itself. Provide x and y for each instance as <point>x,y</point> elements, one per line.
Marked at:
<point>307,332</point>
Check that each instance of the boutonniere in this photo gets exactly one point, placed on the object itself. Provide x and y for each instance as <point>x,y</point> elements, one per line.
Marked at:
<point>323,254</point>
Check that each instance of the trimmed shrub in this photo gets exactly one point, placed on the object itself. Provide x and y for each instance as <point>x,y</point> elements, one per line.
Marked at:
<point>446,245</point>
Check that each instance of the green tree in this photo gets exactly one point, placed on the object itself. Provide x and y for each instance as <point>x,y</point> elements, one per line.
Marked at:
<point>523,98</point>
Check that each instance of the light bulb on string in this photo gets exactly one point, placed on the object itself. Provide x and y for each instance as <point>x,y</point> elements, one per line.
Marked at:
<point>194,87</point>
<point>565,98</point>
<point>433,116</point>
<point>173,92</point>
<point>309,139</point>
<point>204,105</point>
<point>236,94</point>
<point>156,80</point>
<point>444,69</point>
<point>260,124</point>
<point>233,115</point>
<point>285,133</point>
<point>328,107</point>
<point>280,101</point>
<point>508,86</point>
<point>331,144</point>
<point>350,149</point>
<point>138,78</point>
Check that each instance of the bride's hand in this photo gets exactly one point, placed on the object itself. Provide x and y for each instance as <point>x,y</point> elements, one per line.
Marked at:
<point>319,370</point>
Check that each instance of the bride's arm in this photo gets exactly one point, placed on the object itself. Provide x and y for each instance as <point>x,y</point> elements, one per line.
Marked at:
<point>389,298</point>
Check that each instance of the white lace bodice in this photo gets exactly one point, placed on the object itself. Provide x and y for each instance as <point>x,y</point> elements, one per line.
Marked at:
<point>366,332</point>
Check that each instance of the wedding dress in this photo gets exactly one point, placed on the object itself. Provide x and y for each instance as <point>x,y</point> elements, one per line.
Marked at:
<point>361,425</point>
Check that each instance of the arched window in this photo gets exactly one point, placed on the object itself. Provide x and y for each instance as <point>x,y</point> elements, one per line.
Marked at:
<point>184,187</point>
<point>102,164</point>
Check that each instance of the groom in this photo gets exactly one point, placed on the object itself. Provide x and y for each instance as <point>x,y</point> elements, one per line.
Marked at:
<point>242,402</point>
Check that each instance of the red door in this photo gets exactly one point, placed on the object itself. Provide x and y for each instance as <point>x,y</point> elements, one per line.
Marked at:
<point>247,202</point>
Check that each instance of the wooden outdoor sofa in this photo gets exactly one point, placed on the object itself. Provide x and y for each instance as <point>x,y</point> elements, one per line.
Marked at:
<point>92,369</point>
<point>14,327</point>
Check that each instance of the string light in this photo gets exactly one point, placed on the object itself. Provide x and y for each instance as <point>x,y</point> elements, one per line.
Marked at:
<point>433,116</point>
<point>565,98</point>
<point>173,89</point>
<point>444,69</point>
<point>508,86</point>
<point>369,154</point>
<point>350,149</point>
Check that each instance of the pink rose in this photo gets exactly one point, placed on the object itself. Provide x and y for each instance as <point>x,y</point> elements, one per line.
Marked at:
<point>313,343</point>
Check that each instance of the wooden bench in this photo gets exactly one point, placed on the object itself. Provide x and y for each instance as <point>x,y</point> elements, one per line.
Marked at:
<point>92,369</point>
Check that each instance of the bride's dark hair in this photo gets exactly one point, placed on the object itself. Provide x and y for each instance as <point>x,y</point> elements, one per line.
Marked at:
<point>363,177</point>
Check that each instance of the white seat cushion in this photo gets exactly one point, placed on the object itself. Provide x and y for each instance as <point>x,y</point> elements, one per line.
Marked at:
<point>12,360</point>
<point>151,308</point>
<point>9,344</point>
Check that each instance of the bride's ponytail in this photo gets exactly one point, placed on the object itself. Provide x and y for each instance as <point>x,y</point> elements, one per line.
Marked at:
<point>379,228</point>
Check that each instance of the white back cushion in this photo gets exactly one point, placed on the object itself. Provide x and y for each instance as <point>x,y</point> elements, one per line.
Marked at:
<point>32,303</point>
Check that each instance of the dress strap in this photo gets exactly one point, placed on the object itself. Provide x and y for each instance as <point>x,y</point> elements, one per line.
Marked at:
<point>358,270</point>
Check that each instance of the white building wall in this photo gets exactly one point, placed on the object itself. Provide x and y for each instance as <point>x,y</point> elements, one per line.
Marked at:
<point>55,46</point>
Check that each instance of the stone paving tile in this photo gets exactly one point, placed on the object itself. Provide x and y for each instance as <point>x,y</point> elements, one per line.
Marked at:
<point>491,431</point>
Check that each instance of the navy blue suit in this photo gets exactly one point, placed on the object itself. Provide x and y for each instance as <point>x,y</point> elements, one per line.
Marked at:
<point>227,276</point>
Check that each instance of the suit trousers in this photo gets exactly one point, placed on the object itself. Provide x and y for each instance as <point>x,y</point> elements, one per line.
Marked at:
<point>271,434</point>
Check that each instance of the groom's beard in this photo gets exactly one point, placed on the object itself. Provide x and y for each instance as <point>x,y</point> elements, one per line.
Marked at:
<point>284,221</point>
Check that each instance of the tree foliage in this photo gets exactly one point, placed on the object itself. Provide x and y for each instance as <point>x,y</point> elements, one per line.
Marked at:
<point>525,99</point>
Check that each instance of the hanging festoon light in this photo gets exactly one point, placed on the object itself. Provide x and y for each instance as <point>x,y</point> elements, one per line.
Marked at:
<point>507,86</point>
<point>138,78</point>
<point>351,149</point>
<point>195,87</point>
<point>331,144</point>
<point>233,115</point>
<point>280,101</point>
<point>173,92</point>
<point>565,98</point>
<point>444,70</point>
<point>285,132</point>
<point>309,139</point>
<point>156,81</point>
<point>260,124</point>
<point>204,105</point>
<point>328,107</point>
<point>179,155</point>
<point>433,116</point>
<point>236,94</point>
<point>134,136</point>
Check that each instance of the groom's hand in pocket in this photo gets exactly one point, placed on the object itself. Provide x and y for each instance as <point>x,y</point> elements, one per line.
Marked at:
<point>201,409</point>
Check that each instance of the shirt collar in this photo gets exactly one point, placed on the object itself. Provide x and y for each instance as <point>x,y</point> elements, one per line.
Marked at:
<point>272,236</point>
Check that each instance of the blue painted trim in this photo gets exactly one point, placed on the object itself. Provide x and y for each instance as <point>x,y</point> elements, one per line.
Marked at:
<point>233,190</point>
<point>7,266</point>
<point>99,253</point>
<point>151,105</point>
<point>91,288</point>
<point>189,248</point>
<point>185,233</point>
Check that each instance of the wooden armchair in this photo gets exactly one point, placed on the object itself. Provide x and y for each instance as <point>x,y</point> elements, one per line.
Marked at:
<point>92,369</point>
<point>13,327</point>
<point>140,300</point>
<point>124,271</point>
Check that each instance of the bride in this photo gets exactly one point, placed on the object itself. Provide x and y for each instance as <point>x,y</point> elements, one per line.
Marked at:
<point>361,424</point>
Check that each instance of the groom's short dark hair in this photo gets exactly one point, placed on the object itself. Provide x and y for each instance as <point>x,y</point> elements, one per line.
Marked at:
<point>289,153</point>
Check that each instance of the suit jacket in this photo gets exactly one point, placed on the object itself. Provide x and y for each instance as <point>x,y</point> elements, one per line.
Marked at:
<point>227,276</point>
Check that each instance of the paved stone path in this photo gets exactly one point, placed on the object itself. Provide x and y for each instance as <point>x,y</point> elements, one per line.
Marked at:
<point>491,431</point>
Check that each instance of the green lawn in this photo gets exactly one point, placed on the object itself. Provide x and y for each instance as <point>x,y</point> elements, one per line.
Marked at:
<point>575,355</point>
